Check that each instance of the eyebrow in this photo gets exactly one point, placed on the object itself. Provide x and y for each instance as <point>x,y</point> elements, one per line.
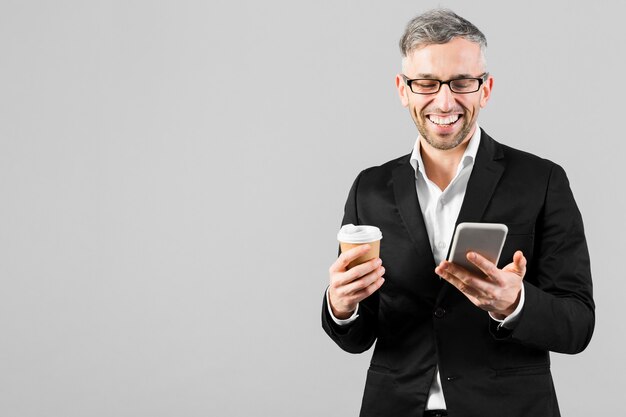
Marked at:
<point>429,76</point>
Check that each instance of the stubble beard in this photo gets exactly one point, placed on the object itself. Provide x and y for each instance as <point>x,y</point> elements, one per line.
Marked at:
<point>420,123</point>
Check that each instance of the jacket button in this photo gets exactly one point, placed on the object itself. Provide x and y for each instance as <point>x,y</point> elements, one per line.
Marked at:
<point>440,312</point>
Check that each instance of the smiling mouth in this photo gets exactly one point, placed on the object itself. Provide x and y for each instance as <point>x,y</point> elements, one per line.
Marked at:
<point>444,121</point>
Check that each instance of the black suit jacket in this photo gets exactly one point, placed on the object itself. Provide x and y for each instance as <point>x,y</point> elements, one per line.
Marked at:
<point>419,320</point>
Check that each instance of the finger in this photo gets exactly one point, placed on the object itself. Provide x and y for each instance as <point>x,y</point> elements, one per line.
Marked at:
<point>459,284</point>
<point>363,282</point>
<point>367,291</point>
<point>463,280</point>
<point>356,272</point>
<point>356,293</point>
<point>478,297</point>
<point>486,266</point>
<point>348,256</point>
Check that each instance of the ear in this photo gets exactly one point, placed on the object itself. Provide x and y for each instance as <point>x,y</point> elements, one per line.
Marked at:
<point>402,90</point>
<point>485,91</point>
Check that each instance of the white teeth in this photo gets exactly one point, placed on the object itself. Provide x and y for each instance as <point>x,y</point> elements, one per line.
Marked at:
<point>444,120</point>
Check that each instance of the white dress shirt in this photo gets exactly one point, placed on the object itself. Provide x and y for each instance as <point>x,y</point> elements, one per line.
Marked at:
<point>440,210</point>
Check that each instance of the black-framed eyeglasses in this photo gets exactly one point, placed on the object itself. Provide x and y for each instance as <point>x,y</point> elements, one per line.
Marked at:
<point>458,85</point>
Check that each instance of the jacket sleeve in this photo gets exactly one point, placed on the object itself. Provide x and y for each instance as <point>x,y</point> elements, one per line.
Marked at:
<point>359,335</point>
<point>558,313</point>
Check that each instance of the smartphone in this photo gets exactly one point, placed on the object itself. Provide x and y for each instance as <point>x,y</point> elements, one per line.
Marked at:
<point>486,239</point>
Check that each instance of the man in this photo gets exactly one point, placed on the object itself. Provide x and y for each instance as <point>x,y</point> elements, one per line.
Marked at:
<point>449,342</point>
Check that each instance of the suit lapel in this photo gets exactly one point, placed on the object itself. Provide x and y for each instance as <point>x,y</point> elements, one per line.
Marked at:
<point>406,199</point>
<point>486,173</point>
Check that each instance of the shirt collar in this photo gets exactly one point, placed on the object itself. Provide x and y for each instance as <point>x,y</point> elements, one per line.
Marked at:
<point>469,156</point>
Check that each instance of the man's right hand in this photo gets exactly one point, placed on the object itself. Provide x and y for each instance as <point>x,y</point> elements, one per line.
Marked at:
<point>348,287</point>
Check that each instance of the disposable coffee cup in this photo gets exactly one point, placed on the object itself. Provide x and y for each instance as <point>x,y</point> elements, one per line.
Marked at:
<point>351,236</point>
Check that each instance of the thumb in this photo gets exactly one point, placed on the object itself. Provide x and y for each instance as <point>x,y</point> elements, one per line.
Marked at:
<point>520,262</point>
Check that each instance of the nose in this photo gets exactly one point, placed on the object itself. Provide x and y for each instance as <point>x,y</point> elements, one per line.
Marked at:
<point>444,99</point>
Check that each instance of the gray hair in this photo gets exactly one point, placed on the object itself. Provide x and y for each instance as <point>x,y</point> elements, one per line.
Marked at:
<point>439,26</point>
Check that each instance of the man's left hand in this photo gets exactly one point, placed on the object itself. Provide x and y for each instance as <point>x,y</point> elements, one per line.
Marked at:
<point>498,292</point>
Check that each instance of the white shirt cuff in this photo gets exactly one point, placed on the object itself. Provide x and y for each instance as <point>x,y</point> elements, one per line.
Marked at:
<point>510,321</point>
<point>341,322</point>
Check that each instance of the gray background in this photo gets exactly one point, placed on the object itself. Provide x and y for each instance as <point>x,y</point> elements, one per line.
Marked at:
<point>173,173</point>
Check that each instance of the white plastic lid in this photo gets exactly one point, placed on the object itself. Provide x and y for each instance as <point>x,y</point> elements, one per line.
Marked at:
<point>350,233</point>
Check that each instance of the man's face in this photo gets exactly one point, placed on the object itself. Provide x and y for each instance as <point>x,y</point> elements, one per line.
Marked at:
<point>445,119</point>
